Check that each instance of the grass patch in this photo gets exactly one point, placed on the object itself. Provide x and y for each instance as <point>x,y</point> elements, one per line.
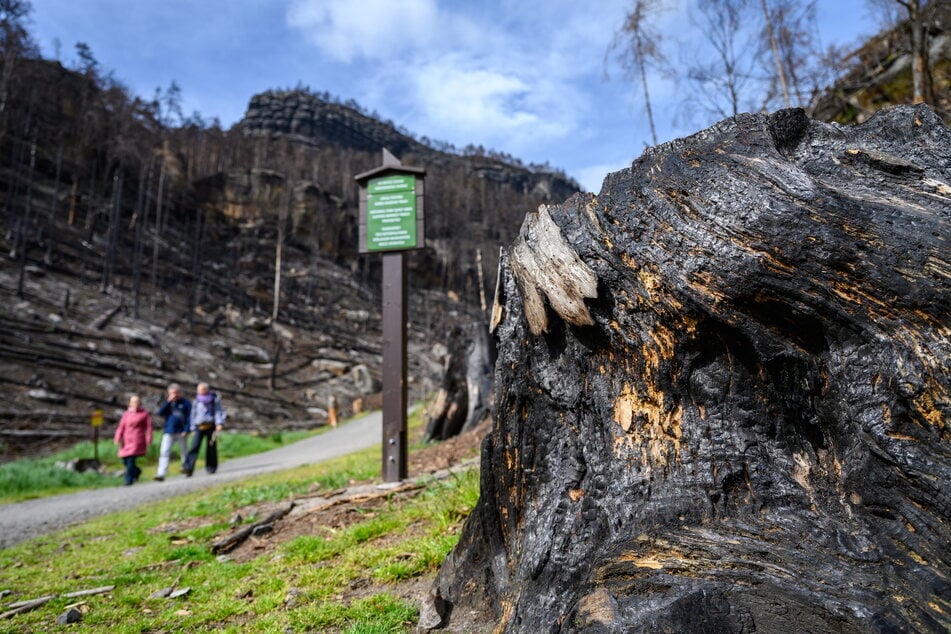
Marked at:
<point>377,614</point>
<point>40,477</point>
<point>297,587</point>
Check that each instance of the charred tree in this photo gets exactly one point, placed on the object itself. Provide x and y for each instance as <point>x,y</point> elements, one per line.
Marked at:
<point>723,390</point>
<point>464,399</point>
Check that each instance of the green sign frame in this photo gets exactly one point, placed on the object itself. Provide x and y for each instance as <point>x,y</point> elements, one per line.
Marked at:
<point>392,207</point>
<point>391,212</point>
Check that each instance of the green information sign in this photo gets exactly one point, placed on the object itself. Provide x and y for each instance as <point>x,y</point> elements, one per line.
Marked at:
<point>391,213</point>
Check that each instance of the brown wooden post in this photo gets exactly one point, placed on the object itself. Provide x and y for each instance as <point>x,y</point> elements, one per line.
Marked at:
<point>394,366</point>
<point>393,240</point>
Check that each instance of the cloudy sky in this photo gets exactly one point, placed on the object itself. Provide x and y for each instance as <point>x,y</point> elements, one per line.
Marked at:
<point>525,77</point>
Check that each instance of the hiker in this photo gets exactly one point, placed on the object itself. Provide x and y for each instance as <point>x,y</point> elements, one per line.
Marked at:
<point>208,417</point>
<point>177,411</point>
<point>133,437</point>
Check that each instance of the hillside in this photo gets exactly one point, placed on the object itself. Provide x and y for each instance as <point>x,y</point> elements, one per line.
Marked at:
<point>879,72</point>
<point>142,249</point>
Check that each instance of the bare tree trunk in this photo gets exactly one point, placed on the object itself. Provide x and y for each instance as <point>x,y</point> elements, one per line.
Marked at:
<point>9,61</point>
<point>142,212</point>
<point>91,212</point>
<point>23,229</point>
<point>275,359</point>
<point>198,270</point>
<point>920,71</point>
<point>773,44</point>
<point>17,158</point>
<point>59,170</point>
<point>73,195</point>
<point>647,99</point>
<point>279,249</point>
<point>109,262</point>
<point>481,275</point>
<point>156,239</point>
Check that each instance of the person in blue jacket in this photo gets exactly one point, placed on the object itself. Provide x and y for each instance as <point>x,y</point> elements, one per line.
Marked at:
<point>177,412</point>
<point>208,418</point>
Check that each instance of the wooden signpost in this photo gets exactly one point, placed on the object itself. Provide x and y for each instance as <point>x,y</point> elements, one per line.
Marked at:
<point>96,421</point>
<point>391,222</point>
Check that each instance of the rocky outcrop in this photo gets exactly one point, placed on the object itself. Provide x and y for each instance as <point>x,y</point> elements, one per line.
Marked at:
<point>316,121</point>
<point>311,119</point>
<point>723,390</point>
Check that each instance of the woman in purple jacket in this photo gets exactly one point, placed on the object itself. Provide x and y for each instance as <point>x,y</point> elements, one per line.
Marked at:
<point>133,437</point>
<point>208,419</point>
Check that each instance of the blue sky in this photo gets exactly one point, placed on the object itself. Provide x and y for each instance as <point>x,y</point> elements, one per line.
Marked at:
<point>519,76</point>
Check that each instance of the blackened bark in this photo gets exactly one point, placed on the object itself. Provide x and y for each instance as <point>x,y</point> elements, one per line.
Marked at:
<point>751,433</point>
<point>24,227</point>
<point>112,234</point>
<point>465,397</point>
<point>141,220</point>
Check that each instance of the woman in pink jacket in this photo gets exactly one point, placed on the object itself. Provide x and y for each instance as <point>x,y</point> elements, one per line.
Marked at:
<point>133,437</point>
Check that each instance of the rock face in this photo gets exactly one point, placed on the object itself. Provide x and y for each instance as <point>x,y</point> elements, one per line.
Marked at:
<point>310,119</point>
<point>723,390</point>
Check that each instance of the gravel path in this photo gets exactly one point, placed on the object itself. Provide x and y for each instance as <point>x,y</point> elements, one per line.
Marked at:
<point>24,520</point>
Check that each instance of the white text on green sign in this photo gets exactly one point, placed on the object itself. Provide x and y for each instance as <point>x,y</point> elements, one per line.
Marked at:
<point>391,213</point>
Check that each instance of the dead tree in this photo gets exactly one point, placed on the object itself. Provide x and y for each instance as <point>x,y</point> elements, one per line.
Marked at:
<point>723,392</point>
<point>465,397</point>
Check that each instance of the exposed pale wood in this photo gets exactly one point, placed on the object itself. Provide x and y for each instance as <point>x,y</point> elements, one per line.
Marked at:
<point>89,592</point>
<point>544,263</point>
<point>31,604</point>
<point>498,300</point>
<point>25,606</point>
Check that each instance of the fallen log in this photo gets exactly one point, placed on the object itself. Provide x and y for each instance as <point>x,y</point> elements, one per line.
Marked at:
<point>20,607</point>
<point>100,323</point>
<point>232,541</point>
<point>742,425</point>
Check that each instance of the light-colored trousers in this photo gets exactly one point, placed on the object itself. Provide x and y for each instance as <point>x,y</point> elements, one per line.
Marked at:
<point>165,451</point>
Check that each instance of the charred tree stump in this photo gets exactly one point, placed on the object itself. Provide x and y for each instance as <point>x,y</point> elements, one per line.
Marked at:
<point>464,399</point>
<point>722,392</point>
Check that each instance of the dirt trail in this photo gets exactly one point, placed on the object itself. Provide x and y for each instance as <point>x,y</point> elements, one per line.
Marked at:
<point>24,520</point>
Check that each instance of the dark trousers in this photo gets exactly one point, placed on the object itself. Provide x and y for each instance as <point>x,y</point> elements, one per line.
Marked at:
<point>132,472</point>
<point>211,452</point>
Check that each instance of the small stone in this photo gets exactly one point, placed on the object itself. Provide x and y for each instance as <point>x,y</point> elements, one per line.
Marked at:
<point>432,611</point>
<point>137,336</point>
<point>250,353</point>
<point>46,396</point>
<point>71,615</point>
<point>291,599</point>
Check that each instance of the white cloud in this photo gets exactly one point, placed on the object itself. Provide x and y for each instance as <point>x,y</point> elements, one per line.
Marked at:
<point>490,104</point>
<point>497,73</point>
<point>373,29</point>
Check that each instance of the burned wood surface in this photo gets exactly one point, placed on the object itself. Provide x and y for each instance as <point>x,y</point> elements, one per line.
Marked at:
<point>751,433</point>
<point>465,397</point>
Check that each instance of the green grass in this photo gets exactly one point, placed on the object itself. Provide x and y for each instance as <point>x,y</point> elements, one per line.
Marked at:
<point>298,587</point>
<point>32,478</point>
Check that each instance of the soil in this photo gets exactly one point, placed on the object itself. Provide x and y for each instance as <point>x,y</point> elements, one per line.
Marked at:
<point>336,510</point>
